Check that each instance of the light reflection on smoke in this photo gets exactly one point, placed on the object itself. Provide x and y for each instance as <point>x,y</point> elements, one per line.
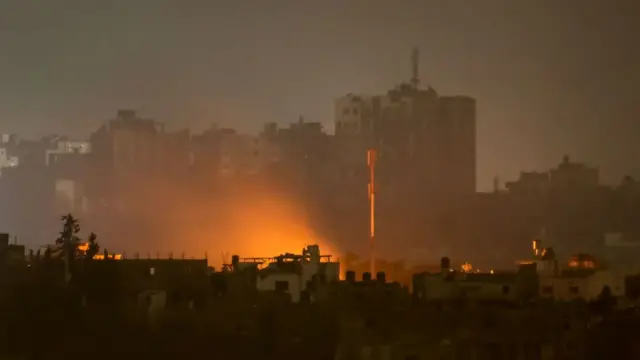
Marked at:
<point>246,220</point>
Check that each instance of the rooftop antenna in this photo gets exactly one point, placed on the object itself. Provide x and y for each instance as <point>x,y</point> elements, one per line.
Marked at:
<point>415,58</point>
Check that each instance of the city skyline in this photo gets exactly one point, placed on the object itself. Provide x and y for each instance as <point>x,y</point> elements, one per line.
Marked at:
<point>544,88</point>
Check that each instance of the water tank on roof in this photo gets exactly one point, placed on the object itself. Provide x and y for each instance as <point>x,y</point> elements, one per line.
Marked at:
<point>351,276</point>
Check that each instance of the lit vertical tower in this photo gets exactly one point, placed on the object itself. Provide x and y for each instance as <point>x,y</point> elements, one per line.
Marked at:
<point>371,163</point>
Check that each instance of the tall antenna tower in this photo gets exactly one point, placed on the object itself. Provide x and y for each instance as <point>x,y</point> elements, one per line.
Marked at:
<point>415,59</point>
<point>371,162</point>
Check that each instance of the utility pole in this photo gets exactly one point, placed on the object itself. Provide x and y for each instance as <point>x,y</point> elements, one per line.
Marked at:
<point>371,163</point>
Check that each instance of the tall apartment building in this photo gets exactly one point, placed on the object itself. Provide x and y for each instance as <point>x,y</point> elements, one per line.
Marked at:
<point>455,132</point>
<point>426,166</point>
<point>130,145</point>
<point>419,135</point>
<point>129,153</point>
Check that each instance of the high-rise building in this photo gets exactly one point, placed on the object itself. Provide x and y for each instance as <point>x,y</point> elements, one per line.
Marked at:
<point>125,144</point>
<point>420,136</point>
<point>426,164</point>
<point>455,133</point>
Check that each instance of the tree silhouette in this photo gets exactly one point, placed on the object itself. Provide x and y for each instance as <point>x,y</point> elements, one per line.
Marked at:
<point>68,241</point>
<point>93,248</point>
<point>47,253</point>
<point>605,302</point>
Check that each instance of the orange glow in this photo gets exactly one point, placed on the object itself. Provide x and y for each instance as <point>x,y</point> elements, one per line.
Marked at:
<point>524,262</point>
<point>585,264</point>
<point>85,246</point>
<point>245,217</point>
<point>111,257</point>
<point>584,261</point>
<point>536,247</point>
<point>466,267</point>
<point>250,223</point>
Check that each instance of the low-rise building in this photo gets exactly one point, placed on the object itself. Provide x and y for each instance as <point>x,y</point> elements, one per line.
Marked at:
<point>581,284</point>
<point>10,254</point>
<point>368,292</point>
<point>290,274</point>
<point>584,277</point>
<point>149,283</point>
<point>450,285</point>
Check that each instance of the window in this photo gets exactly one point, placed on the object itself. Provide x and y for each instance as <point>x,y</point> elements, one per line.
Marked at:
<point>547,290</point>
<point>574,290</point>
<point>505,290</point>
<point>152,271</point>
<point>282,286</point>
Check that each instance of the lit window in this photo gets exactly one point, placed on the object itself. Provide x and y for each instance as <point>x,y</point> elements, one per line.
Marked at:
<point>152,271</point>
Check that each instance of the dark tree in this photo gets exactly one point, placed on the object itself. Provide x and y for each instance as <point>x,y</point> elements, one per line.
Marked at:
<point>68,240</point>
<point>605,302</point>
<point>93,248</point>
<point>47,253</point>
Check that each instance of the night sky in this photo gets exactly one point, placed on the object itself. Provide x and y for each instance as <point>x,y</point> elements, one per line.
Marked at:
<point>552,77</point>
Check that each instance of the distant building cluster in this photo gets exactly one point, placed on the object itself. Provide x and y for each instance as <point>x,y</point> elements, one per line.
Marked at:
<point>426,200</point>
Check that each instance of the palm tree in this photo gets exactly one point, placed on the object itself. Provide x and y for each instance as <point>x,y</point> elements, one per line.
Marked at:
<point>68,241</point>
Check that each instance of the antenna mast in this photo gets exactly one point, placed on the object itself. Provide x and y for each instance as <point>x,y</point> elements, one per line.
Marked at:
<point>371,162</point>
<point>415,59</point>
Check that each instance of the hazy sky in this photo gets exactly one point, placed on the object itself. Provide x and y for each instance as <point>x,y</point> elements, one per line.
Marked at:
<point>552,77</point>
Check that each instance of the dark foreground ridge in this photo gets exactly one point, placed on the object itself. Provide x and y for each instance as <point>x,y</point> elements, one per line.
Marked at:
<point>59,305</point>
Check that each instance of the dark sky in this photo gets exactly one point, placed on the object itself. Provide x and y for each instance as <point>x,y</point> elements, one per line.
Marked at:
<point>552,77</point>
